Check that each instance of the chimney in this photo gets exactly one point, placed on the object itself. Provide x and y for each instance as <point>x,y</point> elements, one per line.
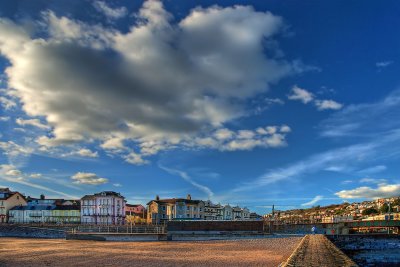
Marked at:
<point>189,197</point>
<point>157,197</point>
<point>42,197</point>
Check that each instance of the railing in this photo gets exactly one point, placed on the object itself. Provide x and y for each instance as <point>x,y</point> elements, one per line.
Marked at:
<point>148,229</point>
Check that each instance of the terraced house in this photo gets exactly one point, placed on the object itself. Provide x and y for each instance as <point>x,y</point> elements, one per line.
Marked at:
<point>47,211</point>
<point>104,208</point>
<point>9,200</point>
<point>162,210</point>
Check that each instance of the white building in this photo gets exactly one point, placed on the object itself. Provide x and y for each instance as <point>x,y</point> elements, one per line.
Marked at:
<point>9,200</point>
<point>104,208</point>
<point>219,212</point>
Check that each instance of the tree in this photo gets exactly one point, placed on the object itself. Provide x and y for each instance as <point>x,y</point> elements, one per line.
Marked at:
<point>369,211</point>
<point>384,208</point>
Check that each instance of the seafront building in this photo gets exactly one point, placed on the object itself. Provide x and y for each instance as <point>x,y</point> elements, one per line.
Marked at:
<point>218,212</point>
<point>46,211</point>
<point>163,210</point>
<point>104,208</point>
<point>135,213</point>
<point>9,200</point>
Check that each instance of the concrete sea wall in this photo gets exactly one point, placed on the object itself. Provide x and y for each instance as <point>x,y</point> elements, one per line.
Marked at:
<point>30,232</point>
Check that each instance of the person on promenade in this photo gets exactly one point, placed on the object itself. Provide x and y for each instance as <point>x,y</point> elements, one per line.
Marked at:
<point>313,230</point>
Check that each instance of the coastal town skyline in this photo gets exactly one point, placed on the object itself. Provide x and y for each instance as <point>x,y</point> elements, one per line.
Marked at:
<point>238,102</point>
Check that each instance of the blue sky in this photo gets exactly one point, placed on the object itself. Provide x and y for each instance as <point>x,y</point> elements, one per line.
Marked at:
<point>252,103</point>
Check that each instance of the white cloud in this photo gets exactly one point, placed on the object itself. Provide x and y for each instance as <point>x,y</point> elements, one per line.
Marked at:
<point>13,172</point>
<point>35,175</point>
<point>84,152</point>
<point>301,94</point>
<point>13,150</point>
<point>32,122</point>
<point>223,134</point>
<point>313,201</point>
<point>367,119</point>
<point>383,64</point>
<point>4,118</point>
<point>372,181</point>
<point>328,104</point>
<point>346,182</point>
<point>23,180</point>
<point>373,169</point>
<point>109,12</point>
<point>88,178</point>
<point>381,191</point>
<point>306,97</point>
<point>135,159</point>
<point>188,179</point>
<point>117,185</point>
<point>228,140</point>
<point>7,103</point>
<point>207,64</point>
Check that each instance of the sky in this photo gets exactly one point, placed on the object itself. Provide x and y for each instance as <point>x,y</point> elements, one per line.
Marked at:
<point>250,103</point>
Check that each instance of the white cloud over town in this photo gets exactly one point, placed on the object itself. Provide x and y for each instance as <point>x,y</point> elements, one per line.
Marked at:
<point>169,82</point>
<point>382,190</point>
<point>88,178</point>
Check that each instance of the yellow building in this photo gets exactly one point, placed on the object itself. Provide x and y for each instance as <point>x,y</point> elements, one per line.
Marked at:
<point>65,214</point>
<point>9,200</point>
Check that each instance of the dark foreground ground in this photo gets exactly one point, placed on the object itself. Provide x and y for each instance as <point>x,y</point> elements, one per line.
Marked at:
<point>41,252</point>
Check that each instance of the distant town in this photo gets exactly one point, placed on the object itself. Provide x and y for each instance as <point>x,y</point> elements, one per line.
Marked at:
<point>111,208</point>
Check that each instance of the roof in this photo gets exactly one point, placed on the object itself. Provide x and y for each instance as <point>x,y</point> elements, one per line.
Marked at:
<point>37,207</point>
<point>175,200</point>
<point>133,205</point>
<point>7,194</point>
<point>101,194</point>
<point>47,207</point>
<point>68,207</point>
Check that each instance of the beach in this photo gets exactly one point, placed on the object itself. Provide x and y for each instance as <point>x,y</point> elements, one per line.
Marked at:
<point>58,252</point>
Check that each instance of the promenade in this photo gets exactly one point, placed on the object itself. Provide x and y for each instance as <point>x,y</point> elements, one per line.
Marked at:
<point>317,250</point>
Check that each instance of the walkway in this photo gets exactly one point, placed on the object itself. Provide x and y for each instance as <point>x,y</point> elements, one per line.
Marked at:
<point>317,250</point>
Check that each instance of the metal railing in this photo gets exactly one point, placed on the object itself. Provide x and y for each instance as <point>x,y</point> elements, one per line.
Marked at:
<point>127,229</point>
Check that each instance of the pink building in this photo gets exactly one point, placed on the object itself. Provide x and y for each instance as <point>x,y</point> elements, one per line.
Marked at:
<point>103,208</point>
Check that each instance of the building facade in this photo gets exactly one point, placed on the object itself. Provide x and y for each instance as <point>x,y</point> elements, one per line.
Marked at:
<point>135,213</point>
<point>162,210</point>
<point>9,200</point>
<point>104,208</point>
<point>46,211</point>
<point>218,212</point>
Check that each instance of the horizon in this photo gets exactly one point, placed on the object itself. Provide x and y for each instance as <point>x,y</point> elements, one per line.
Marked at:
<point>240,102</point>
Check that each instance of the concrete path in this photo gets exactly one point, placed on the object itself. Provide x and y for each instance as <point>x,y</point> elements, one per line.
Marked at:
<point>317,250</point>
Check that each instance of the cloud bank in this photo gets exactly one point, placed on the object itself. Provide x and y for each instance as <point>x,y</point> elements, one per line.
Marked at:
<point>155,87</point>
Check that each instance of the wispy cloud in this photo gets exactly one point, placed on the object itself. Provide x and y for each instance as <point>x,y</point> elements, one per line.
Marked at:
<point>383,64</point>
<point>11,174</point>
<point>369,120</point>
<point>188,179</point>
<point>372,181</point>
<point>313,201</point>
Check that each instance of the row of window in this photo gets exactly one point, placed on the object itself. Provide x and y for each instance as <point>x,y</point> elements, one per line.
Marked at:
<point>182,207</point>
<point>101,201</point>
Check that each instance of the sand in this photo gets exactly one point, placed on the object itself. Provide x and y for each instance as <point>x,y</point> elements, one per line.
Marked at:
<point>41,252</point>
